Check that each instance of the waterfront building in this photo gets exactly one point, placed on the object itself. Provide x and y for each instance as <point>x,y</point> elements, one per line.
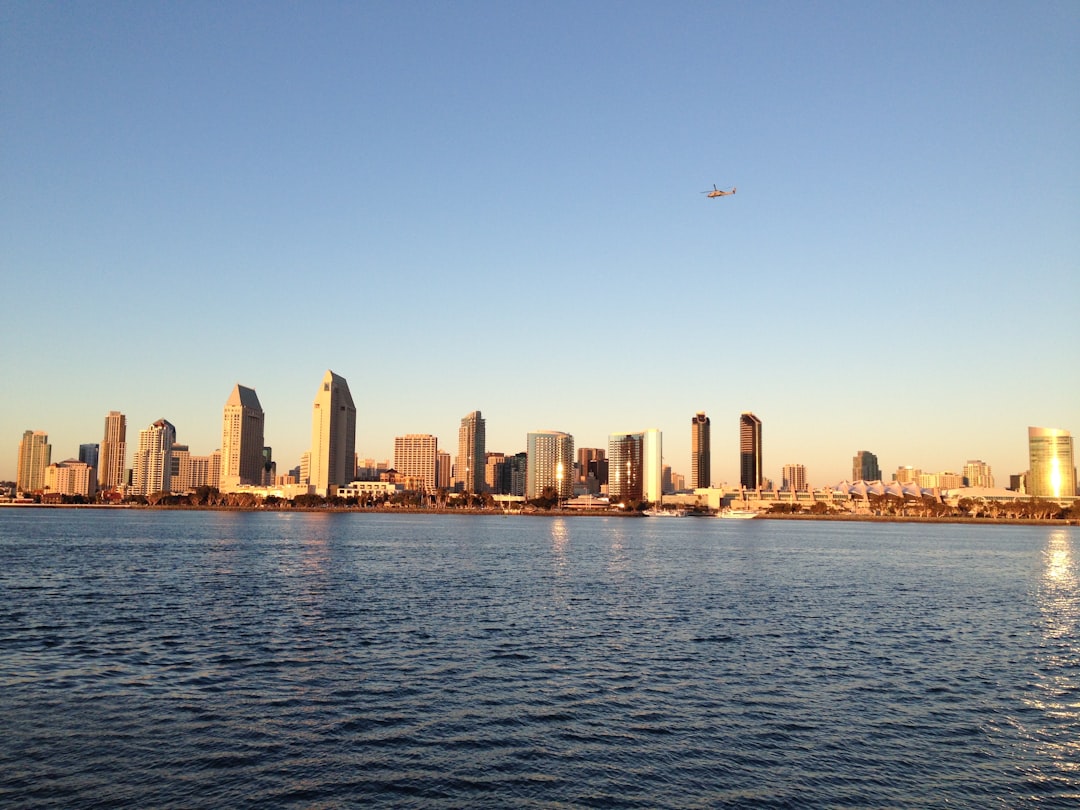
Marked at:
<point>794,478</point>
<point>113,453</point>
<point>70,477</point>
<point>624,457</point>
<point>180,469</point>
<point>332,460</point>
<point>940,480</point>
<point>516,474</point>
<point>1052,471</point>
<point>35,454</point>
<point>197,472</point>
<point>213,476</point>
<point>469,467</point>
<point>443,468</point>
<point>751,475</point>
<point>678,482</point>
<point>652,462</point>
<point>700,451</point>
<point>88,454</point>
<point>977,474</point>
<point>243,420</point>
<point>549,463</point>
<point>864,467</point>
<point>152,466</point>
<point>415,457</point>
<point>495,473</point>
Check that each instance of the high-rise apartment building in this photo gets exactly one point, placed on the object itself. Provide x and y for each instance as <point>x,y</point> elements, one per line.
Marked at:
<point>333,435</point>
<point>152,467</point>
<point>35,454</point>
<point>242,461</point>
<point>1052,471</point>
<point>907,475</point>
<point>587,456</point>
<point>977,474</point>
<point>625,473</point>
<point>751,475</point>
<point>700,451</point>
<point>113,453</point>
<point>864,467</point>
<point>516,473</point>
<point>470,464</point>
<point>549,463</point>
<point>635,466</point>
<point>794,478</point>
<point>415,456</point>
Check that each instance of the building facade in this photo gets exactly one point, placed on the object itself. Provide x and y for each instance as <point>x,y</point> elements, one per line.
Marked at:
<point>977,474</point>
<point>751,474</point>
<point>652,462</point>
<point>625,474</point>
<point>242,460</point>
<point>470,465</point>
<point>864,467</point>
<point>700,451</point>
<point>415,457</point>
<point>332,459</point>
<point>549,463</point>
<point>151,470</point>
<point>35,454</point>
<point>1052,468</point>
<point>112,472</point>
<point>794,478</point>
<point>70,477</point>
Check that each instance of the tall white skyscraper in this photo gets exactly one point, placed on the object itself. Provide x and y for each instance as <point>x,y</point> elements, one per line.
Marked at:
<point>653,466</point>
<point>151,469</point>
<point>35,454</point>
<point>333,435</point>
<point>113,452</point>
<point>471,459</point>
<point>549,463</point>
<point>242,440</point>
<point>415,456</point>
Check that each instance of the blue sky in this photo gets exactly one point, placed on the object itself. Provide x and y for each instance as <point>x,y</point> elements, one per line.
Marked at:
<point>497,206</point>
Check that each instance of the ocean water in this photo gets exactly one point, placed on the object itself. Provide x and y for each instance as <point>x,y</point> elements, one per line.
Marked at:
<point>227,659</point>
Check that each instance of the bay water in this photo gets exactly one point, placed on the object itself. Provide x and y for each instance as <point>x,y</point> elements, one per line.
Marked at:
<point>232,659</point>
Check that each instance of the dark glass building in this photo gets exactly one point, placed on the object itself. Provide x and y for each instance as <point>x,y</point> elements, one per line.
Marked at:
<point>750,472</point>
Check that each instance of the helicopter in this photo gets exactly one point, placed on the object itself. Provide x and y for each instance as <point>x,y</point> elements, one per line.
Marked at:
<point>718,192</point>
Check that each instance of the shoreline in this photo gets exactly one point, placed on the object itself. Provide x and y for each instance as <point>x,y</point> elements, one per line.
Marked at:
<point>982,521</point>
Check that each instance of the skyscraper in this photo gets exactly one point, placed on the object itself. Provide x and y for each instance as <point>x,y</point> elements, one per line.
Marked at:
<point>652,466</point>
<point>152,467</point>
<point>864,467</point>
<point>471,461</point>
<point>242,440</point>
<point>113,453</point>
<point>35,454</point>
<point>624,457</point>
<point>750,471</point>
<point>1052,472</point>
<point>333,435</point>
<point>549,463</point>
<point>415,457</point>
<point>700,451</point>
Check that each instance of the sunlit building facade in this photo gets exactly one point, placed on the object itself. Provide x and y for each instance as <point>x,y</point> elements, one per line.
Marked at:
<point>471,463</point>
<point>1052,470</point>
<point>625,474</point>
<point>113,452</point>
<point>69,477</point>
<point>151,470</point>
<point>415,456</point>
<point>549,463</point>
<point>751,474</point>
<point>794,478</point>
<point>700,451</point>
<point>242,459</point>
<point>977,474</point>
<point>35,453</point>
<point>332,460</point>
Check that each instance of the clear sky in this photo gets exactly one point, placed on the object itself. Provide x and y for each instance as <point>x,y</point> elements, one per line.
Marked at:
<point>497,206</point>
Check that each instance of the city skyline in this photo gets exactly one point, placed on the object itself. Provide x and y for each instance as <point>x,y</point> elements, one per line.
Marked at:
<point>896,273</point>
